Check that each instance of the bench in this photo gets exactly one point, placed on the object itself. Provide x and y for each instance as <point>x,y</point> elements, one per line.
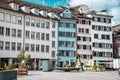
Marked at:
<point>67,69</point>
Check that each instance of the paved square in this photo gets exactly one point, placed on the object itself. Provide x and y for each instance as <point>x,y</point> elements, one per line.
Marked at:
<point>73,75</point>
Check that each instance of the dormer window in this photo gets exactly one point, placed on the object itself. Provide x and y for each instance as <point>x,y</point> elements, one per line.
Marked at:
<point>15,6</point>
<point>27,9</point>
<point>53,15</point>
<point>66,13</point>
<point>36,11</point>
<point>45,13</point>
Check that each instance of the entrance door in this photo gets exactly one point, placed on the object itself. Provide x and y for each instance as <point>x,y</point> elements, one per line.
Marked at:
<point>61,64</point>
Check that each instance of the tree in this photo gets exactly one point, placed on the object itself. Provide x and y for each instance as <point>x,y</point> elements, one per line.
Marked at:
<point>24,61</point>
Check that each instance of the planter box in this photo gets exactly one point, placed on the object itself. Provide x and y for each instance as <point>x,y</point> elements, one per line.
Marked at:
<point>22,72</point>
<point>8,75</point>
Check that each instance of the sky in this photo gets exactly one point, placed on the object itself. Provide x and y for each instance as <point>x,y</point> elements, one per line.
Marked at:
<point>112,6</point>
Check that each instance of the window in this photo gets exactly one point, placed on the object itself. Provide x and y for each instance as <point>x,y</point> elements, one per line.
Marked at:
<point>45,13</point>
<point>53,54</point>
<point>37,23</point>
<point>93,44</point>
<point>47,36</point>
<point>27,34</point>
<point>42,24</point>
<point>19,33</point>
<point>37,36</point>
<point>32,47</point>
<point>7,31</point>
<point>102,36</point>
<point>32,35</point>
<point>2,16</point>
<point>27,22</point>
<point>100,45</point>
<point>66,15</point>
<point>93,18</point>
<point>1,45</point>
<point>79,46</point>
<point>14,32</point>
<point>27,9</point>
<point>32,23</point>
<point>93,27</point>
<point>67,25</point>
<point>42,36</point>
<point>1,30</point>
<point>15,6</point>
<point>47,25</point>
<point>99,19</point>
<point>47,48</point>
<point>18,46</point>
<point>37,48</point>
<point>96,36</point>
<point>13,46</point>
<point>82,30</point>
<point>104,20</point>
<point>109,20</point>
<point>42,48</point>
<point>7,45</point>
<point>79,30</point>
<point>108,37</point>
<point>53,34</point>
<point>84,38</point>
<point>84,46</point>
<point>27,47</point>
<point>19,20</point>
<point>36,11</point>
<point>53,43</point>
<point>13,19</point>
<point>8,17</point>
<point>87,30</point>
<point>53,24</point>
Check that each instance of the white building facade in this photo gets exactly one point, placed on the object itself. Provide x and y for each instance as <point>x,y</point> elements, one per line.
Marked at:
<point>101,38</point>
<point>32,29</point>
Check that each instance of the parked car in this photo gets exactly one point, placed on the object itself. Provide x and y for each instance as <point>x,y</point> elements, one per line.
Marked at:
<point>119,71</point>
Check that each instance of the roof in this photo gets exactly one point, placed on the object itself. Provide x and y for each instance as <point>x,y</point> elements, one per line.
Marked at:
<point>95,13</point>
<point>4,4</point>
<point>117,25</point>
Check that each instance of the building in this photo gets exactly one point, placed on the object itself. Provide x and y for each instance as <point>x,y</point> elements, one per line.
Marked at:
<point>116,46</point>
<point>94,36</point>
<point>30,27</point>
<point>54,36</point>
<point>101,38</point>
<point>66,37</point>
<point>84,37</point>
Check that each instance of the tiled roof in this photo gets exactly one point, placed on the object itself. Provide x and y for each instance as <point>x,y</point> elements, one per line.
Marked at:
<point>5,5</point>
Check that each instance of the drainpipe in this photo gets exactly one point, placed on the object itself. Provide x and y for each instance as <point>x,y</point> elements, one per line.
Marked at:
<point>24,34</point>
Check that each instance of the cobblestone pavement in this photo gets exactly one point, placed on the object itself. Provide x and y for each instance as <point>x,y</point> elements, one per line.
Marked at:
<point>73,75</point>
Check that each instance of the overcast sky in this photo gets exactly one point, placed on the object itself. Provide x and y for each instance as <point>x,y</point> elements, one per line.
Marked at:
<point>112,6</point>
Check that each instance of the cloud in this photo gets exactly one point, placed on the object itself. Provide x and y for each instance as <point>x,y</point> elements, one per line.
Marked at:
<point>115,11</point>
<point>96,4</point>
<point>112,6</point>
